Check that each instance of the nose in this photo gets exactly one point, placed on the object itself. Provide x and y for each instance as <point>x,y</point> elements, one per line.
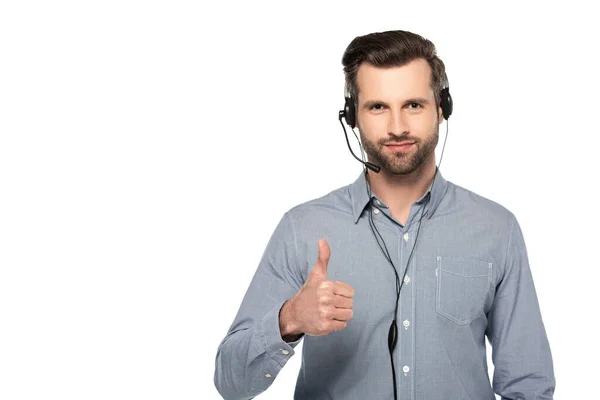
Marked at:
<point>397,124</point>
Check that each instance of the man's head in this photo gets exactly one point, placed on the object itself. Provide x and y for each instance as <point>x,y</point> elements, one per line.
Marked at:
<point>395,79</point>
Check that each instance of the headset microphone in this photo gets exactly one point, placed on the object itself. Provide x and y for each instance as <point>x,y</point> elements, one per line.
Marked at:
<point>371,166</point>
<point>349,114</point>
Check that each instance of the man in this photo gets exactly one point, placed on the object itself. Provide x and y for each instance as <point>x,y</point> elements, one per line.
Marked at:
<point>324,279</point>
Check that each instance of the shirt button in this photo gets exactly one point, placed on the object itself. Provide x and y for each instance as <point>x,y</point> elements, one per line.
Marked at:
<point>406,236</point>
<point>406,279</point>
<point>378,202</point>
<point>406,323</point>
<point>405,369</point>
<point>376,211</point>
<point>267,375</point>
<point>285,352</point>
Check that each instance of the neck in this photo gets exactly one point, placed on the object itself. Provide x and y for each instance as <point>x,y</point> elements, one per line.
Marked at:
<point>399,192</point>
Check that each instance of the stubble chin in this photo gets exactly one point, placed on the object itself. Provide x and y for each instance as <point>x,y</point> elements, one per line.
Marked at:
<point>400,163</point>
<point>403,163</point>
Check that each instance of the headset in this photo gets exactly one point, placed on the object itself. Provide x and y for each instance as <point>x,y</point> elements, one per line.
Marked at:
<point>349,114</point>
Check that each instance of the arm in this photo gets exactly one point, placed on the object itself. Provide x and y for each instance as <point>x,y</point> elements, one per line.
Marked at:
<point>523,367</point>
<point>253,351</point>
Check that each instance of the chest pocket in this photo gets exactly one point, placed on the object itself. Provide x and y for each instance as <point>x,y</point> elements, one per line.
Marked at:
<point>462,286</point>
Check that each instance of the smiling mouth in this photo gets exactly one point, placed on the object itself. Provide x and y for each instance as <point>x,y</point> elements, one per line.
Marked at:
<point>400,146</point>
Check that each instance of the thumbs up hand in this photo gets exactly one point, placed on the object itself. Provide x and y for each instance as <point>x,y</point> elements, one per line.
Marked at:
<point>321,306</point>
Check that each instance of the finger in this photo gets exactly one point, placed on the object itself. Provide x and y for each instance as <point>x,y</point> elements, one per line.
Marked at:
<point>337,325</point>
<point>320,267</point>
<point>342,301</point>
<point>343,289</point>
<point>342,314</point>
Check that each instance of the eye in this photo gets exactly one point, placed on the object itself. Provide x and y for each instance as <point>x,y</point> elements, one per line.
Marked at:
<point>417,106</point>
<point>376,107</point>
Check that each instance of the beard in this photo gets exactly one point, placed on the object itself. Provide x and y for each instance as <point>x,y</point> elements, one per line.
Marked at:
<point>401,163</point>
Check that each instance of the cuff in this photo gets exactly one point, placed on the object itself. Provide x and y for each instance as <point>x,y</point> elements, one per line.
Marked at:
<point>278,349</point>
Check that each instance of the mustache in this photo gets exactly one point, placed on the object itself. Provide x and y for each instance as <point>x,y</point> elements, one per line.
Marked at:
<point>398,139</point>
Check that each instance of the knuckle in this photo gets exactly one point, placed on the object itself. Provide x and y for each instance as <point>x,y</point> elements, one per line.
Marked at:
<point>322,291</point>
<point>323,313</point>
<point>324,285</point>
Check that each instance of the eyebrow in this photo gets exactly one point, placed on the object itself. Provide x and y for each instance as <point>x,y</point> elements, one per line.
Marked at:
<point>420,100</point>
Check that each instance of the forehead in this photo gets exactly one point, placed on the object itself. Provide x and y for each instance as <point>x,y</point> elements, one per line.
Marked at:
<point>412,79</point>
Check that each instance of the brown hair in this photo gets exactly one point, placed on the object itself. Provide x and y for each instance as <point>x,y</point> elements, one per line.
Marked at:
<point>392,49</point>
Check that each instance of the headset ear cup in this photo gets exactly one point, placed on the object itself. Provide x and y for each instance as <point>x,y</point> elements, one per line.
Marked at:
<point>350,112</point>
<point>446,103</point>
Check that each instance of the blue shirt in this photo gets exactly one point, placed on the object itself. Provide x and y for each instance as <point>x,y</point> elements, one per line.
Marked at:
<point>469,277</point>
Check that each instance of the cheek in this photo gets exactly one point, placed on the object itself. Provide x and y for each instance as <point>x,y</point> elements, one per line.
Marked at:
<point>424,123</point>
<point>424,119</point>
<point>372,124</point>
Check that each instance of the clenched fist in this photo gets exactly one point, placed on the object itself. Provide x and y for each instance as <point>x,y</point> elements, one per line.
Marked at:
<point>321,306</point>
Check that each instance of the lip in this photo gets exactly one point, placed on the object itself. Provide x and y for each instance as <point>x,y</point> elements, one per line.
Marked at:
<point>400,146</point>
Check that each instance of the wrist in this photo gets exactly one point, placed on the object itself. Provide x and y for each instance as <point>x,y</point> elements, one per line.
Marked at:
<point>289,329</point>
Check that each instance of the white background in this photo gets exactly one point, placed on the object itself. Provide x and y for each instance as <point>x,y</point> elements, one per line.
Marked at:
<point>148,150</point>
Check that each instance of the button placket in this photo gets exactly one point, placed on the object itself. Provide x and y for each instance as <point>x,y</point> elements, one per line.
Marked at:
<point>408,297</point>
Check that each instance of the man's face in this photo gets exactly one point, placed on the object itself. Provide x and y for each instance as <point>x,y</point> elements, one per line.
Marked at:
<point>397,105</point>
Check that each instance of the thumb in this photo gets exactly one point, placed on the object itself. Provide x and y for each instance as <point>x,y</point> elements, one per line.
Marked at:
<point>322,259</point>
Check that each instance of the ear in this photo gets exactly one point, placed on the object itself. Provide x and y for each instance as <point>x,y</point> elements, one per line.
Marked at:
<point>440,115</point>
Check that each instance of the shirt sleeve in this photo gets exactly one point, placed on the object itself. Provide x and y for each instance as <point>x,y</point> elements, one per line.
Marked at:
<point>253,352</point>
<point>523,368</point>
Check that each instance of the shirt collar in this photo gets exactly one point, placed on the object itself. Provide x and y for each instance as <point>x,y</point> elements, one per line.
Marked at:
<point>359,196</point>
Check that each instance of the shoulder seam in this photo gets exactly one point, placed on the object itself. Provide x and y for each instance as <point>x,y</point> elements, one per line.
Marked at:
<point>289,216</point>
<point>510,234</point>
